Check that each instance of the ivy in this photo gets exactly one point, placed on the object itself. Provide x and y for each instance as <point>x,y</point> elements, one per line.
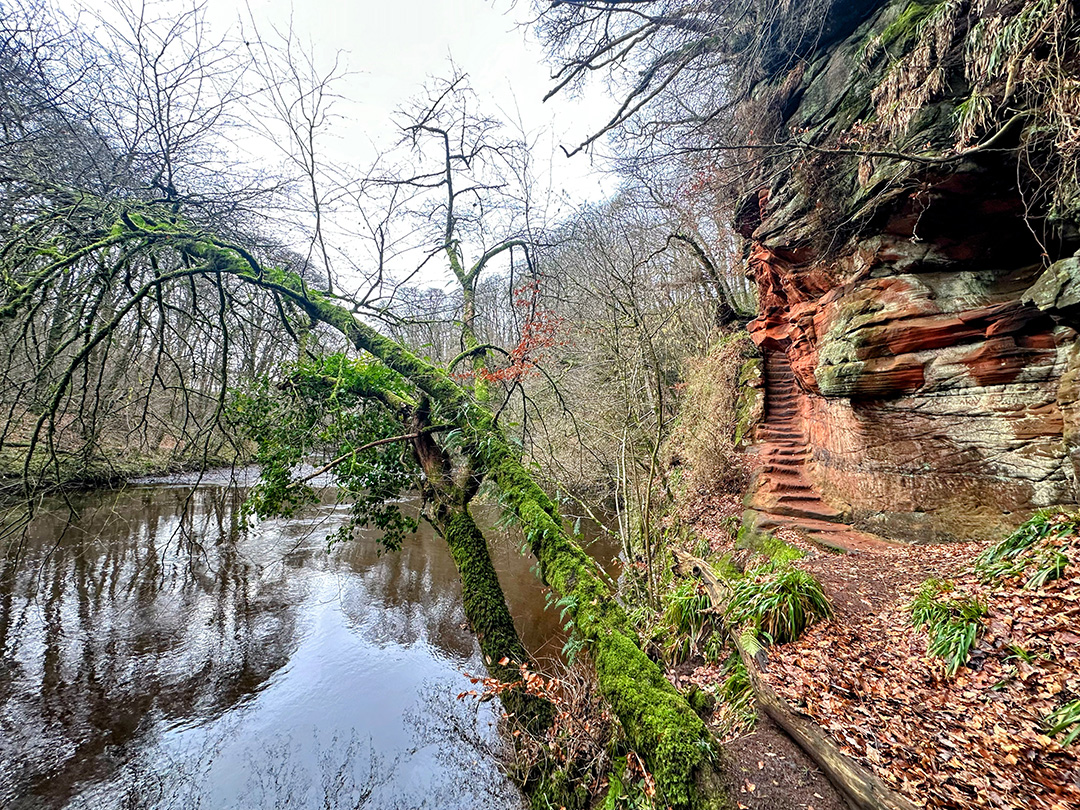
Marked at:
<point>333,407</point>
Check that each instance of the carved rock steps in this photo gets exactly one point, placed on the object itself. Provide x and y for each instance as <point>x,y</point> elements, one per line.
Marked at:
<point>785,496</point>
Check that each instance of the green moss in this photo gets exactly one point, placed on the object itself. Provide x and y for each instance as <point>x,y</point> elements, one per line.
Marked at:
<point>778,551</point>
<point>840,364</point>
<point>657,721</point>
<point>725,569</point>
<point>899,35</point>
<point>766,544</point>
<point>700,701</point>
<point>489,617</point>
<point>748,405</point>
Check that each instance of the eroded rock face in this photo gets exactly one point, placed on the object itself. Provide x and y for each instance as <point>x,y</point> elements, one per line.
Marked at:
<point>939,403</point>
<point>935,354</point>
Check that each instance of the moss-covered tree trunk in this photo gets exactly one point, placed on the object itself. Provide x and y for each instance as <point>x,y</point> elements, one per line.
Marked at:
<point>447,489</point>
<point>487,613</point>
<point>658,722</point>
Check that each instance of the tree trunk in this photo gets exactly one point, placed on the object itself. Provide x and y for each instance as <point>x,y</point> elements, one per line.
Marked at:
<point>488,616</point>
<point>658,722</point>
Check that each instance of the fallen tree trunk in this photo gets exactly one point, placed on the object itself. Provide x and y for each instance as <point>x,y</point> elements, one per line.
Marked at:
<point>860,787</point>
<point>658,722</point>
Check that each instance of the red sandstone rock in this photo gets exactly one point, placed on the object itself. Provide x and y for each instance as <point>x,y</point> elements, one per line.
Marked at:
<point>933,403</point>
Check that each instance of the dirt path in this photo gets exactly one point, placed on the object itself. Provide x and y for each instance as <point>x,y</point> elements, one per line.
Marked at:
<point>770,772</point>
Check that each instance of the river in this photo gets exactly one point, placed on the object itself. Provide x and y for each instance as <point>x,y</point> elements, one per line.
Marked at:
<point>156,654</point>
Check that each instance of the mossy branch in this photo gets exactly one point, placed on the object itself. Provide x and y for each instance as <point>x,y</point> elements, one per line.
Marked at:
<point>658,722</point>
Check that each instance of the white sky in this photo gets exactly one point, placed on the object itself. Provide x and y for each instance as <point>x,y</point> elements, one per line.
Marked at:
<point>391,48</point>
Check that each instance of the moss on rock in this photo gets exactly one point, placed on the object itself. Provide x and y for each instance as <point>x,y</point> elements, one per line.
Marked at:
<point>750,405</point>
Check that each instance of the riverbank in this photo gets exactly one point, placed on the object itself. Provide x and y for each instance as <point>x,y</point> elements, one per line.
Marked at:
<point>948,672</point>
<point>69,472</point>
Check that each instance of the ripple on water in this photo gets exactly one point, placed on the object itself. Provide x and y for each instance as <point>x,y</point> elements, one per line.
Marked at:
<point>156,655</point>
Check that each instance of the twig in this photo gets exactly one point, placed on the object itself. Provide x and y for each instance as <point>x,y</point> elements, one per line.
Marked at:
<point>370,445</point>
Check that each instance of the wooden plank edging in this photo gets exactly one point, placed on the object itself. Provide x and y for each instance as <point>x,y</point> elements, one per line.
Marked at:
<point>859,786</point>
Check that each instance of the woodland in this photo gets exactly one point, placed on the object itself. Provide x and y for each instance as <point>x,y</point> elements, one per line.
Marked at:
<point>814,365</point>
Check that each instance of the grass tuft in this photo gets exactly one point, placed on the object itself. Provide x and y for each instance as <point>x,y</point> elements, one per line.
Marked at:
<point>737,697</point>
<point>777,602</point>
<point>687,619</point>
<point>1030,546</point>
<point>1065,719</point>
<point>953,624</point>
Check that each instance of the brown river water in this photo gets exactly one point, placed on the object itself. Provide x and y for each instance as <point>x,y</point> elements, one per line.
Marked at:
<point>155,654</point>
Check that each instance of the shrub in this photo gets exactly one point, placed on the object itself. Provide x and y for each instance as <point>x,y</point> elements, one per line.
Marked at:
<point>777,602</point>
<point>1031,546</point>
<point>953,624</point>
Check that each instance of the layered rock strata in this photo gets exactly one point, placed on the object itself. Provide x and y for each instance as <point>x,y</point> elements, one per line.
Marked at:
<point>928,317</point>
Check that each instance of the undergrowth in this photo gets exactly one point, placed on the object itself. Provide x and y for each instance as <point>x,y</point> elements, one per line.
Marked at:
<point>736,695</point>
<point>630,786</point>
<point>687,621</point>
<point>1034,547</point>
<point>568,764</point>
<point>777,602</point>
<point>1064,721</point>
<point>702,447</point>
<point>954,624</point>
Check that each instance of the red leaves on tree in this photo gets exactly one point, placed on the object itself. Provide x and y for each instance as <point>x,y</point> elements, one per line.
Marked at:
<point>539,333</point>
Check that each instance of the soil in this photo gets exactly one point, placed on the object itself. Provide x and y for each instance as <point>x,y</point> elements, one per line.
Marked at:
<point>770,772</point>
<point>862,585</point>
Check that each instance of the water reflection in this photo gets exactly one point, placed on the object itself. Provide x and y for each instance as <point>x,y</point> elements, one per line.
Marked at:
<point>153,654</point>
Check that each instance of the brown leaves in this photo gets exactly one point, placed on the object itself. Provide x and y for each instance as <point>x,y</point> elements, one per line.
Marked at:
<point>974,741</point>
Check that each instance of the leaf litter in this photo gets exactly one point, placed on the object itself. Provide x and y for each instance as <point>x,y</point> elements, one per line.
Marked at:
<point>975,740</point>
<point>979,739</point>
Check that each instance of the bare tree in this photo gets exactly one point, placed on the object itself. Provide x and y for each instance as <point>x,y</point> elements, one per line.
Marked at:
<point>677,66</point>
<point>147,265</point>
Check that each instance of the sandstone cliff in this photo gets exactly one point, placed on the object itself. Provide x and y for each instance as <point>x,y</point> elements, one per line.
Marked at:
<point>911,228</point>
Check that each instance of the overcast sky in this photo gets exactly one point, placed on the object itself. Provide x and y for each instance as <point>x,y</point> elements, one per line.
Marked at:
<point>391,48</point>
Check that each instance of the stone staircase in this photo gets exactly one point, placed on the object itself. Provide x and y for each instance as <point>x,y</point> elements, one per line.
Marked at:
<point>784,496</point>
